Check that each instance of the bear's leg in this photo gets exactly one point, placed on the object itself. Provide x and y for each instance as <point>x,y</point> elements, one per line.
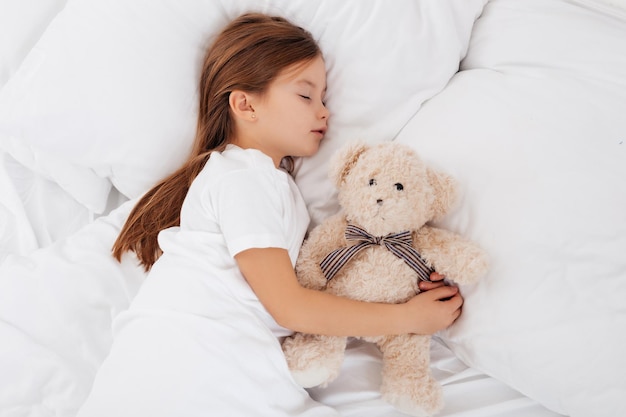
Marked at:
<point>314,359</point>
<point>407,382</point>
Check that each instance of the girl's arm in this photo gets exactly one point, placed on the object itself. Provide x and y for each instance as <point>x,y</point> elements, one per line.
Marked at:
<point>271,276</point>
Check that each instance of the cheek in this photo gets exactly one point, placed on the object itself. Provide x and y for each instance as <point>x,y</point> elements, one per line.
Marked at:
<point>290,115</point>
<point>280,107</point>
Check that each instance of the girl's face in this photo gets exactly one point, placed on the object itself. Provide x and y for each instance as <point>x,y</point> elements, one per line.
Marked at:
<point>291,118</point>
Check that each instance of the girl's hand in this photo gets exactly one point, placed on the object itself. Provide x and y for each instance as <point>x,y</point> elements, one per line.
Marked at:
<point>437,281</point>
<point>271,276</point>
<point>435,309</point>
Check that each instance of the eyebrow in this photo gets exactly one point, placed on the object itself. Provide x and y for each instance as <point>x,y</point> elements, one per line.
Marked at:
<point>310,83</point>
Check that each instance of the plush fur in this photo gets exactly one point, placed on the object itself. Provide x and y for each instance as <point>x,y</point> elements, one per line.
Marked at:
<point>375,274</point>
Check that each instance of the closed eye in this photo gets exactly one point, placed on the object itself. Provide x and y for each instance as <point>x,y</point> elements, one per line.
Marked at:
<point>305,97</point>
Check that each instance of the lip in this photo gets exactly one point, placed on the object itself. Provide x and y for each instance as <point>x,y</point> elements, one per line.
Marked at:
<point>321,131</point>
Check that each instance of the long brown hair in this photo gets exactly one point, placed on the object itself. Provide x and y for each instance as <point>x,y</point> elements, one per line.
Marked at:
<point>247,55</point>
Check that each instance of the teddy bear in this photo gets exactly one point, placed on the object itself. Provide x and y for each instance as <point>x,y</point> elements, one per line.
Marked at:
<point>377,248</point>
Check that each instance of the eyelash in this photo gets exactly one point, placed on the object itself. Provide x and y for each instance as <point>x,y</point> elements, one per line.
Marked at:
<point>309,98</point>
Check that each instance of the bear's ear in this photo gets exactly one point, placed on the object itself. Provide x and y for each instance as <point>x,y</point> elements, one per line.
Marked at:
<point>343,161</point>
<point>445,192</point>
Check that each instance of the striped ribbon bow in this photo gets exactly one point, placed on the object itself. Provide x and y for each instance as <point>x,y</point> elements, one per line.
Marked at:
<point>400,244</point>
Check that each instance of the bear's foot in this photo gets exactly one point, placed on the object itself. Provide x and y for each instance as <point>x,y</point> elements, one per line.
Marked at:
<point>313,377</point>
<point>408,406</point>
<point>314,360</point>
<point>424,401</point>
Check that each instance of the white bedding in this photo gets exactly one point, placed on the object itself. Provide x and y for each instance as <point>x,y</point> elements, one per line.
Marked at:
<point>532,127</point>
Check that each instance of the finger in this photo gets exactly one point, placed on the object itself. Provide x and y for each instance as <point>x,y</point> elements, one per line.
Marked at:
<point>456,301</point>
<point>436,276</point>
<point>456,314</point>
<point>443,292</point>
<point>427,286</point>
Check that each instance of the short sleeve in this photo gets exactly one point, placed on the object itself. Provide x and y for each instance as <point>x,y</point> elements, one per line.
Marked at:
<point>249,206</point>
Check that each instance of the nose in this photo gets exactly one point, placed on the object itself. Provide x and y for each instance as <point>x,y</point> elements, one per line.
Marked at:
<point>323,113</point>
<point>379,202</point>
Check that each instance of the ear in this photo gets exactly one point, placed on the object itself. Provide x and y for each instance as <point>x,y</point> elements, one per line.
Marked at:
<point>240,104</point>
<point>343,161</point>
<point>445,191</point>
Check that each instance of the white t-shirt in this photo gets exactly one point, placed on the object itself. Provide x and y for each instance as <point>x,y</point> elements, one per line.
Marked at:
<point>196,340</point>
<point>237,202</point>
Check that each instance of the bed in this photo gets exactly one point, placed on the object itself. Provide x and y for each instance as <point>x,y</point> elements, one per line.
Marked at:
<point>522,101</point>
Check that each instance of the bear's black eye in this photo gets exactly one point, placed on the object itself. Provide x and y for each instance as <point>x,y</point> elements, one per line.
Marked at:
<point>399,186</point>
<point>372,181</point>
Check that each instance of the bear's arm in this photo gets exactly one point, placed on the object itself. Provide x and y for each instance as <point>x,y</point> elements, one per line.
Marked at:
<point>322,240</point>
<point>450,254</point>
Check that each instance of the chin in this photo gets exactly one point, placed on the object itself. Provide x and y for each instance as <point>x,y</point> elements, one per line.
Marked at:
<point>310,151</point>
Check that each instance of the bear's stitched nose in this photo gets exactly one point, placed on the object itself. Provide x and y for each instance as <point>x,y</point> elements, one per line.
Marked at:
<point>379,202</point>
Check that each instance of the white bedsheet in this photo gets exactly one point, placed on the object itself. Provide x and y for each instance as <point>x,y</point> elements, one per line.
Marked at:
<point>56,307</point>
<point>16,232</point>
<point>467,392</point>
<point>35,211</point>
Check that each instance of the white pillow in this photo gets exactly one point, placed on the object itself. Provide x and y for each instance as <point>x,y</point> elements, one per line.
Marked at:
<point>384,61</point>
<point>533,128</point>
<point>108,95</point>
<point>22,23</point>
<point>611,7</point>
